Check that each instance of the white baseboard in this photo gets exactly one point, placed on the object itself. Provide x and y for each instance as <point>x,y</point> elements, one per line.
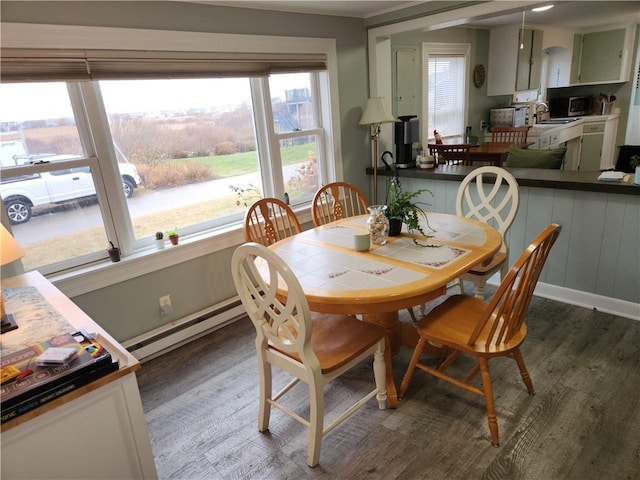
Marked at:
<point>592,301</point>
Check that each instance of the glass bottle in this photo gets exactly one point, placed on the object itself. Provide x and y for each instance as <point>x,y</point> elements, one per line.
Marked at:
<point>378,224</point>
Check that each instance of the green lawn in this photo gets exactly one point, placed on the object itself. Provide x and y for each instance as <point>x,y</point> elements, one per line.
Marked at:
<point>247,162</point>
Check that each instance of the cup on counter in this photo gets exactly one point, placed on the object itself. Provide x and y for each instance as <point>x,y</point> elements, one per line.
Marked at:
<point>425,161</point>
<point>362,242</point>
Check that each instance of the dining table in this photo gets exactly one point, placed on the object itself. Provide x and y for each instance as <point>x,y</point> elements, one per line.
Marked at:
<point>493,153</point>
<point>404,272</point>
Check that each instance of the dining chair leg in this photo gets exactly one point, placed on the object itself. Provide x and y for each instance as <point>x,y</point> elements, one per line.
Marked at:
<point>417,353</point>
<point>316,422</point>
<point>524,373</point>
<point>488,397</point>
<point>264,408</point>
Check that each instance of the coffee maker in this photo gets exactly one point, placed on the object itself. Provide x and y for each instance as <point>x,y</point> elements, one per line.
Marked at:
<point>407,132</point>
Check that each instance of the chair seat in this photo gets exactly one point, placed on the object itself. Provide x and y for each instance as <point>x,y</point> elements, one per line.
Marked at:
<point>467,311</point>
<point>495,262</point>
<point>337,339</point>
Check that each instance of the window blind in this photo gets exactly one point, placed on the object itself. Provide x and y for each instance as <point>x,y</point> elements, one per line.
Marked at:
<point>27,65</point>
<point>446,95</point>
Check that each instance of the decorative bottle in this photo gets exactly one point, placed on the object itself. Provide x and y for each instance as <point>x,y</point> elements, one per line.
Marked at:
<point>378,224</point>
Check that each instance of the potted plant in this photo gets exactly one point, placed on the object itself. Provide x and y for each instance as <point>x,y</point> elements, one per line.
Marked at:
<point>472,138</point>
<point>173,236</point>
<point>404,208</point>
<point>159,240</point>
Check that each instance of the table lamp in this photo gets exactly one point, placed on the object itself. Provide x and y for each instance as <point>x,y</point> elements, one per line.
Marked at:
<point>375,113</point>
<point>10,251</point>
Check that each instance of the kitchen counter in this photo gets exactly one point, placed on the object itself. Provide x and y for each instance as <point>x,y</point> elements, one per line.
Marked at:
<point>545,129</point>
<point>527,177</point>
<point>595,262</point>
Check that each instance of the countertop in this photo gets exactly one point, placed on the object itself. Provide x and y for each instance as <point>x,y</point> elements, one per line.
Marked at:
<point>527,177</point>
<point>539,129</point>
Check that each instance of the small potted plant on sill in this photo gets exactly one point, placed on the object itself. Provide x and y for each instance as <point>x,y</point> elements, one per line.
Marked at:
<point>404,208</point>
<point>173,236</point>
<point>159,240</point>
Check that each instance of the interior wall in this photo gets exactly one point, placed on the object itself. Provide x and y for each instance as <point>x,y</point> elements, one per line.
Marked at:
<point>479,103</point>
<point>130,308</point>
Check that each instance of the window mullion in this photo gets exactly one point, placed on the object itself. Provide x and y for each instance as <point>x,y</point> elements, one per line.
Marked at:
<point>96,135</point>
<point>268,144</point>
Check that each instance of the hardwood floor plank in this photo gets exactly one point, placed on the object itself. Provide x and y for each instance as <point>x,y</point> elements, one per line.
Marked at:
<point>201,406</point>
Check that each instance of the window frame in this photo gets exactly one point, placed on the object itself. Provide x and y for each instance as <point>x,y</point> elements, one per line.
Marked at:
<point>140,261</point>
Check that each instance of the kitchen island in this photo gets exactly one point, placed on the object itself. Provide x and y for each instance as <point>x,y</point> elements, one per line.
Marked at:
<point>596,260</point>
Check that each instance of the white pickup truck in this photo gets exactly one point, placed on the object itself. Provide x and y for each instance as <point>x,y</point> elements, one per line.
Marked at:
<point>21,194</point>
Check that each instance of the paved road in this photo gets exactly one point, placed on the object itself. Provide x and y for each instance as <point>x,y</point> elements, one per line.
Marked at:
<point>41,226</point>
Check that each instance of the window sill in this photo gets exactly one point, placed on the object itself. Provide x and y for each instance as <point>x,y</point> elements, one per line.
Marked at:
<point>104,274</point>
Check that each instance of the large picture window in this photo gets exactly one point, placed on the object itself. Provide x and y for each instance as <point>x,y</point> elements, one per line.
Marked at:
<point>86,163</point>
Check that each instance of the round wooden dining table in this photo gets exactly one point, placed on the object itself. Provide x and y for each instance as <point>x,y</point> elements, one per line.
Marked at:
<point>397,275</point>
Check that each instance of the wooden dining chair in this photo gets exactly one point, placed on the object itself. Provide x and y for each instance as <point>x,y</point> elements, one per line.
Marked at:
<point>269,220</point>
<point>312,347</point>
<point>513,135</point>
<point>450,154</point>
<point>491,195</point>
<point>335,201</point>
<point>465,325</point>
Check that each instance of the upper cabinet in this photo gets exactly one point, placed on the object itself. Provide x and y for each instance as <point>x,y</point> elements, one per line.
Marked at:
<point>511,68</point>
<point>562,57</point>
<point>601,56</point>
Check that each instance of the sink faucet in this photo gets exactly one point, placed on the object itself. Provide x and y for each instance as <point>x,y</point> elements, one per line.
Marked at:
<point>541,114</point>
<point>542,104</point>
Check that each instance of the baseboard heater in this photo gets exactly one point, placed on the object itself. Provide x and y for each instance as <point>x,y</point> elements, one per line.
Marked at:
<point>175,334</point>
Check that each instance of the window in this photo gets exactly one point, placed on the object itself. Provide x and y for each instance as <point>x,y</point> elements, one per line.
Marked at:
<point>117,160</point>
<point>445,90</point>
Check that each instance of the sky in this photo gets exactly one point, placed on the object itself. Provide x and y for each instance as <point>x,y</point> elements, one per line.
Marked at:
<point>20,102</point>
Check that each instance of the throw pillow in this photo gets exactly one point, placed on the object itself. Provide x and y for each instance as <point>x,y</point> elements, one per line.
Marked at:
<point>525,158</point>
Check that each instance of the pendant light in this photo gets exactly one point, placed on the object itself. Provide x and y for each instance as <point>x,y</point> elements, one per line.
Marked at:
<point>522,33</point>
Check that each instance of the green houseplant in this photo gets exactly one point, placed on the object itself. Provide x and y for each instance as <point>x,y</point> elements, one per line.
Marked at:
<point>403,207</point>
<point>173,236</point>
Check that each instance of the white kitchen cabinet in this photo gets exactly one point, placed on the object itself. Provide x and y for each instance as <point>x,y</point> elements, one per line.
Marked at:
<point>511,69</point>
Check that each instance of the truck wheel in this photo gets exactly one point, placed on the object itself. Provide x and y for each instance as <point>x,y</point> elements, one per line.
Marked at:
<point>128,187</point>
<point>18,211</point>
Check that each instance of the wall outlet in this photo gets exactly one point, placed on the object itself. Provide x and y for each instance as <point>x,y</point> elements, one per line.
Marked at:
<point>483,125</point>
<point>166,307</point>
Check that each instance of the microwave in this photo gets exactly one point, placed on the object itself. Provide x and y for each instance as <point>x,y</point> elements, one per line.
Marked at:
<point>514,116</point>
<point>570,106</point>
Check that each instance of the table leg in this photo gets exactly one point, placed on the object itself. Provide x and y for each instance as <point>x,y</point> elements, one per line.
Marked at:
<point>391,323</point>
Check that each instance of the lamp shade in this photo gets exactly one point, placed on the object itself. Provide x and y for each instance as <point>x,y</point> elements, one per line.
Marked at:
<point>10,251</point>
<point>376,111</point>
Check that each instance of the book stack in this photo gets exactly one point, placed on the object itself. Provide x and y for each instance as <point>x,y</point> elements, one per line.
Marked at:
<point>42,372</point>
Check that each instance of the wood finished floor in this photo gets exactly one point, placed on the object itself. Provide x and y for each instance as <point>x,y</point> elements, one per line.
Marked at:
<point>583,423</point>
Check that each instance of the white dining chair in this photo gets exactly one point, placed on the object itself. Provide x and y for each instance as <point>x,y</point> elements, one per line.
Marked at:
<point>491,195</point>
<point>315,348</point>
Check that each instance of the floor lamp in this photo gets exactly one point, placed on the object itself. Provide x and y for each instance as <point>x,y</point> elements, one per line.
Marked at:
<point>10,251</point>
<point>375,113</point>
